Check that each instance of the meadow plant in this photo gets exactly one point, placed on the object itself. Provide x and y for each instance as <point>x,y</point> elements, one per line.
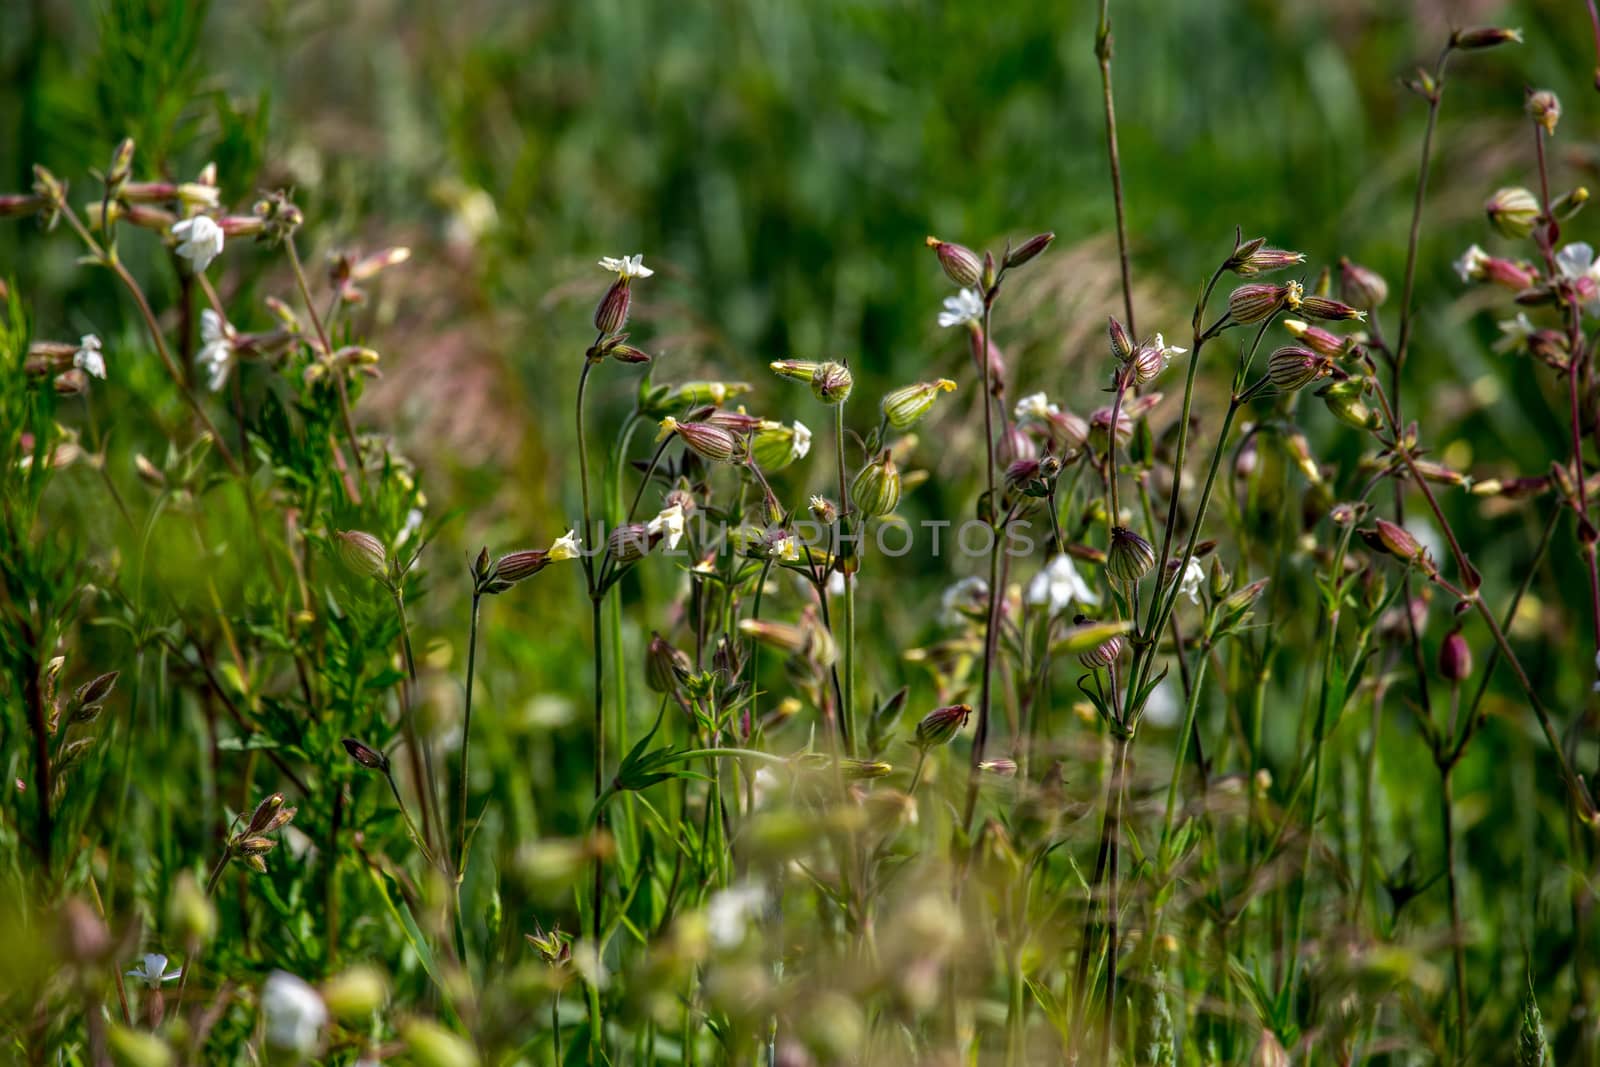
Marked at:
<point>810,846</point>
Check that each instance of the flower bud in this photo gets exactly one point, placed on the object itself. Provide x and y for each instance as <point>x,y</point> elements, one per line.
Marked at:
<point>366,755</point>
<point>1005,768</point>
<point>96,689</point>
<point>612,312</point>
<point>860,770</point>
<point>903,408</point>
<point>1316,338</point>
<point>1395,540</point>
<point>1291,367</point>
<point>121,165</point>
<point>876,489</point>
<point>1320,307</point>
<point>1455,658</point>
<point>664,665</point>
<point>1257,301</point>
<point>362,553</point>
<point>1253,258</point>
<point>831,382</point>
<point>774,446</point>
<point>800,370</point>
<point>1028,249</point>
<point>1484,37</point>
<point>941,725</point>
<point>1117,336</point>
<point>1361,286</point>
<point>1269,1052</point>
<point>704,439</point>
<point>1544,109</point>
<point>262,816</point>
<point>1512,211</point>
<point>824,510</point>
<point>961,264</point>
<point>1130,556</point>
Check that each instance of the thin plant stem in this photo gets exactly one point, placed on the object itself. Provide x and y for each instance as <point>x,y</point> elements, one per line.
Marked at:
<point>980,733</point>
<point>1102,51</point>
<point>338,373</point>
<point>466,739</point>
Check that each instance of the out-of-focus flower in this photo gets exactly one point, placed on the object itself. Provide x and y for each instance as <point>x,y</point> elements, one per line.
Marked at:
<point>1034,406</point>
<point>216,349</point>
<point>88,357</point>
<point>293,1013</point>
<point>1194,577</point>
<point>627,266</point>
<point>969,596</point>
<point>965,306</point>
<point>1058,585</point>
<point>1514,333</point>
<point>729,911</point>
<point>1577,265</point>
<point>199,239</point>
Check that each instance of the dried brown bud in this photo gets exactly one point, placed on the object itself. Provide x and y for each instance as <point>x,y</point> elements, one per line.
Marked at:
<point>264,813</point>
<point>1544,108</point>
<point>366,755</point>
<point>1484,37</point>
<point>96,690</point>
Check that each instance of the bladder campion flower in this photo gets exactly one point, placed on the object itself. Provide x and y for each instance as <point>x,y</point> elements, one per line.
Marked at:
<point>200,240</point>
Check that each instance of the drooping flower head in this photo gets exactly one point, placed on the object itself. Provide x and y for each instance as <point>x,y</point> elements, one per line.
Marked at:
<point>200,240</point>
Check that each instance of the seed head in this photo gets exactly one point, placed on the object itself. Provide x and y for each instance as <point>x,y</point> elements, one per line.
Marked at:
<point>876,489</point>
<point>1512,211</point>
<point>941,725</point>
<point>1130,556</point>
<point>961,264</point>
<point>903,408</point>
<point>831,382</point>
<point>1292,367</point>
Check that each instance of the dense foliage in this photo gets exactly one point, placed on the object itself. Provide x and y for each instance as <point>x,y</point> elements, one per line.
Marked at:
<point>435,632</point>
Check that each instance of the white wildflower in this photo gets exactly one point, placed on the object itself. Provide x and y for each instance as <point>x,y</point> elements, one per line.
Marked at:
<point>627,266</point>
<point>802,440</point>
<point>1035,407</point>
<point>1514,333</point>
<point>1162,707</point>
<point>1058,585</point>
<point>567,546</point>
<point>965,306</point>
<point>199,239</point>
<point>669,524</point>
<point>152,970</point>
<point>1470,265</point>
<point>88,358</point>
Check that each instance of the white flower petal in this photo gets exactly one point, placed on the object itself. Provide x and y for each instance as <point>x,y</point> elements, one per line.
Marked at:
<point>802,439</point>
<point>567,546</point>
<point>200,240</point>
<point>965,306</point>
<point>1575,260</point>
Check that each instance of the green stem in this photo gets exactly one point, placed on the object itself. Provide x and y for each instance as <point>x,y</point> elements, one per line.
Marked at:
<point>466,739</point>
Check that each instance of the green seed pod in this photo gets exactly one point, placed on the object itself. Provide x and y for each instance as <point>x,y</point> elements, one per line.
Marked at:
<point>876,489</point>
<point>1130,556</point>
<point>1512,211</point>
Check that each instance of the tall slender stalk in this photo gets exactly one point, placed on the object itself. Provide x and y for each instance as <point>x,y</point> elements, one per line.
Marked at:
<point>1102,52</point>
<point>991,626</point>
<point>466,738</point>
